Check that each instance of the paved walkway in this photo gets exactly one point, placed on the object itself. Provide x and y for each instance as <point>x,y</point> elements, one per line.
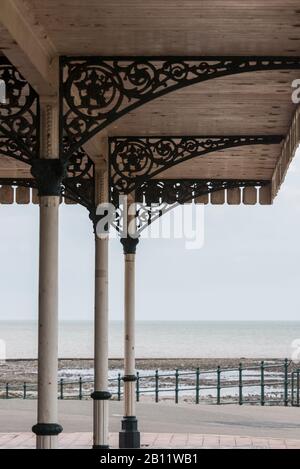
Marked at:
<point>283,423</point>
<point>155,440</point>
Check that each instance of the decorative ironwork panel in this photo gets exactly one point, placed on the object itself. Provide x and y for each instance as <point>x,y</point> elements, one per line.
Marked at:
<point>19,116</point>
<point>134,160</point>
<point>95,91</point>
<point>156,197</point>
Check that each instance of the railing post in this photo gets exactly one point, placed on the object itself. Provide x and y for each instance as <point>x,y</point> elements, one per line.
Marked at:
<point>292,388</point>
<point>156,385</point>
<point>218,385</point>
<point>298,387</point>
<point>80,388</point>
<point>240,384</point>
<point>197,385</point>
<point>262,383</point>
<point>286,382</point>
<point>137,385</point>
<point>176,386</point>
<point>24,391</point>
<point>61,388</point>
<point>7,390</point>
<point>119,386</point>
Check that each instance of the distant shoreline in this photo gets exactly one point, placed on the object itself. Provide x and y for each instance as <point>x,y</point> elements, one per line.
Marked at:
<point>25,370</point>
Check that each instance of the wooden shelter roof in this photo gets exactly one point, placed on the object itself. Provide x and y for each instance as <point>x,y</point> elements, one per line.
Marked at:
<point>34,33</point>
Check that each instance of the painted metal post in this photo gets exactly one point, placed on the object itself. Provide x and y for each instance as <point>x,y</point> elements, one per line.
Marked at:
<point>80,388</point>
<point>137,387</point>
<point>61,387</point>
<point>129,436</point>
<point>24,391</point>
<point>176,386</point>
<point>262,383</point>
<point>218,385</point>
<point>7,391</point>
<point>240,384</point>
<point>298,388</point>
<point>101,395</point>
<point>156,385</point>
<point>119,386</point>
<point>286,382</point>
<point>49,173</point>
<point>197,385</point>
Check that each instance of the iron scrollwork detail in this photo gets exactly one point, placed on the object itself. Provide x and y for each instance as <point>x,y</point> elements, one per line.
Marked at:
<point>19,116</point>
<point>96,91</point>
<point>156,197</point>
<point>133,160</point>
<point>79,185</point>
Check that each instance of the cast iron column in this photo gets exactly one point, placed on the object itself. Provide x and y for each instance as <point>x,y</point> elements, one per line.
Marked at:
<point>48,173</point>
<point>101,395</point>
<point>129,436</point>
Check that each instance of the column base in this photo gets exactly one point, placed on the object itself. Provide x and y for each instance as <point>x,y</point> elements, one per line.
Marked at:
<point>101,417</point>
<point>129,436</point>
<point>47,435</point>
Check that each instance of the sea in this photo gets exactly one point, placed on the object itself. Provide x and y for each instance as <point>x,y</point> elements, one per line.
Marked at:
<point>163,339</point>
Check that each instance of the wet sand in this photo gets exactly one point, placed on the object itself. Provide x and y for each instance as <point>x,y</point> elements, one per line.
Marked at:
<point>19,371</point>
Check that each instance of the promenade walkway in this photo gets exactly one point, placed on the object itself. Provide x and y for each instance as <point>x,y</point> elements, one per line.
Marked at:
<point>155,440</point>
<point>180,426</point>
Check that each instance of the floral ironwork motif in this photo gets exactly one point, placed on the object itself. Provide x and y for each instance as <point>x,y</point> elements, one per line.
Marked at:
<point>19,116</point>
<point>156,197</point>
<point>133,160</point>
<point>95,91</point>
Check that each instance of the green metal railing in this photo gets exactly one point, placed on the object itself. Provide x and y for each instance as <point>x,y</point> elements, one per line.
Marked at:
<point>263,384</point>
<point>295,388</point>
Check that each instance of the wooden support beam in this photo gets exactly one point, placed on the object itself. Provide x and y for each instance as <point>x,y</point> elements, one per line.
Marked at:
<point>27,46</point>
<point>288,152</point>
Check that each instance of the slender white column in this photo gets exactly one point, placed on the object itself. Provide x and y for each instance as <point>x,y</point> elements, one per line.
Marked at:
<point>48,324</point>
<point>48,174</point>
<point>129,336</point>
<point>101,395</point>
<point>129,436</point>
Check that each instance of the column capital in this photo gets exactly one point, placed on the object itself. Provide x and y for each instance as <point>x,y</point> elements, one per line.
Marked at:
<point>49,174</point>
<point>129,244</point>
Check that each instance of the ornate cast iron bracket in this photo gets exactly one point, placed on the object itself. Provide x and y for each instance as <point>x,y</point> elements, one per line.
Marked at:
<point>96,91</point>
<point>157,197</point>
<point>19,116</point>
<point>134,160</point>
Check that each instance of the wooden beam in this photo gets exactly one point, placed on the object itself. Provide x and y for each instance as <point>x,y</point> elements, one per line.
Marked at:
<point>27,46</point>
<point>288,152</point>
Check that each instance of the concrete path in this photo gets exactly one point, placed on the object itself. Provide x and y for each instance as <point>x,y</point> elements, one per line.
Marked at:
<point>283,423</point>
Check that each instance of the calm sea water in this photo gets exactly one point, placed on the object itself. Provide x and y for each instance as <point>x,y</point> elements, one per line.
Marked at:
<point>189,339</point>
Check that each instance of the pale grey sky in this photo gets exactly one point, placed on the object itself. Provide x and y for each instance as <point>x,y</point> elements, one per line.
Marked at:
<point>248,268</point>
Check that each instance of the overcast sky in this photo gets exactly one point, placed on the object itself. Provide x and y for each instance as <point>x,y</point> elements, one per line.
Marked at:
<point>248,267</point>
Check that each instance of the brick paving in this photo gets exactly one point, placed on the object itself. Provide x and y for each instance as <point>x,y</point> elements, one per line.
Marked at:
<point>155,440</point>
